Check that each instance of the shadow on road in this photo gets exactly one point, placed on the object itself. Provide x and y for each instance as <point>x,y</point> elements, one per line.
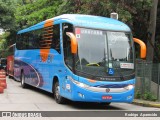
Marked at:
<point>77,105</point>
<point>92,106</point>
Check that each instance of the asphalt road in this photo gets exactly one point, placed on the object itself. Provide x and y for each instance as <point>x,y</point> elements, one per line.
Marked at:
<point>16,98</point>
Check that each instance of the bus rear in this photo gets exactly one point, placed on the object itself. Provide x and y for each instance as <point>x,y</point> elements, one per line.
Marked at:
<point>10,61</point>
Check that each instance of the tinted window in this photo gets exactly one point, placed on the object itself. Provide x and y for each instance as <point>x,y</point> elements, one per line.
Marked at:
<point>56,38</point>
<point>46,38</point>
<point>29,40</point>
<point>66,41</point>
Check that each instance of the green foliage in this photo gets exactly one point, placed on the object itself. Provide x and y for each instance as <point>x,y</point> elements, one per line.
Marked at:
<point>3,44</point>
<point>35,12</point>
<point>138,94</point>
<point>149,96</point>
<point>3,40</point>
<point>143,4</point>
<point>146,96</point>
<point>6,14</point>
<point>19,14</point>
<point>126,9</point>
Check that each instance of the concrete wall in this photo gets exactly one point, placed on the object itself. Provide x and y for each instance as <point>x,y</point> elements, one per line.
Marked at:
<point>143,84</point>
<point>154,89</point>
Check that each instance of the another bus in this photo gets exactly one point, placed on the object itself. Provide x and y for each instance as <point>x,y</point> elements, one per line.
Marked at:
<point>78,57</point>
<point>10,61</point>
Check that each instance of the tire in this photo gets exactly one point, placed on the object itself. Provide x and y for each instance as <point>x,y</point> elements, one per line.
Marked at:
<point>58,98</point>
<point>23,84</point>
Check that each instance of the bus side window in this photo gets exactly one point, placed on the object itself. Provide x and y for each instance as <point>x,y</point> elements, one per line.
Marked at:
<point>37,37</point>
<point>34,39</point>
<point>25,37</point>
<point>20,42</point>
<point>31,41</point>
<point>66,41</point>
<point>56,38</point>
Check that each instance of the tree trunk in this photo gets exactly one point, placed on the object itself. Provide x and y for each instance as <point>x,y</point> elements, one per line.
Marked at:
<point>152,30</point>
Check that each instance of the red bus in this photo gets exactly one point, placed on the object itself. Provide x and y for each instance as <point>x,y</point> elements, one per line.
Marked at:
<point>10,61</point>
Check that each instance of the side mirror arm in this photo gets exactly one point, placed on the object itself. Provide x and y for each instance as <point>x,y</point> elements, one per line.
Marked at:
<point>74,46</point>
<point>74,43</point>
<point>143,47</point>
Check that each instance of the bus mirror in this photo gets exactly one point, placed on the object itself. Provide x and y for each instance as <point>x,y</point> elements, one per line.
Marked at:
<point>73,42</point>
<point>143,47</point>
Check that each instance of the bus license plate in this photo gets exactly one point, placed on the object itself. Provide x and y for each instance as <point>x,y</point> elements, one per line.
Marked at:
<point>107,97</point>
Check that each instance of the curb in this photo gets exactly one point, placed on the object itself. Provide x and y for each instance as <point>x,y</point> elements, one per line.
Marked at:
<point>146,104</point>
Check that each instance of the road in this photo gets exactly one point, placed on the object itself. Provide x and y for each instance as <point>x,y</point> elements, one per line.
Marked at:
<point>16,98</point>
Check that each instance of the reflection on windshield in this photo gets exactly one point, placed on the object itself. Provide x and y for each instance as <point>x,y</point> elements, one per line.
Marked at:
<point>119,46</point>
<point>100,50</point>
<point>91,45</point>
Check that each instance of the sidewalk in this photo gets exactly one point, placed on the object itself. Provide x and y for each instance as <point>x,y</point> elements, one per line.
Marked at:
<point>146,103</point>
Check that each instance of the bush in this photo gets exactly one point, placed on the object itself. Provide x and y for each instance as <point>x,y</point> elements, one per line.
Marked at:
<point>138,94</point>
<point>146,96</point>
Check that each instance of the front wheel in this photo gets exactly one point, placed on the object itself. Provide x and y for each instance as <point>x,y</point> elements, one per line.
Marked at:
<point>59,99</point>
<point>23,84</point>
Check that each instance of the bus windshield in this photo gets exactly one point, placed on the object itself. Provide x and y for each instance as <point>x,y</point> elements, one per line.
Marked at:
<point>100,51</point>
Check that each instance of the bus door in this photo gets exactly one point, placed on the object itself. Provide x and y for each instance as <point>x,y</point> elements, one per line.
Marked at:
<point>67,58</point>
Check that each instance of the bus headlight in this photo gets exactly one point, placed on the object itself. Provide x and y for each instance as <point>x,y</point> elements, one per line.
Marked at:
<point>78,83</point>
<point>82,85</point>
<point>129,87</point>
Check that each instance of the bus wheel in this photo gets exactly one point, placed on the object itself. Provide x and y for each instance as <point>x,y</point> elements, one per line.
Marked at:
<point>59,99</point>
<point>23,84</point>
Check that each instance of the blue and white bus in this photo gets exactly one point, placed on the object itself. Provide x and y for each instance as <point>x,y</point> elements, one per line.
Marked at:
<point>78,57</point>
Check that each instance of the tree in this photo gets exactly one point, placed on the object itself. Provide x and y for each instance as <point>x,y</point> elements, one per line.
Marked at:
<point>152,30</point>
<point>7,14</point>
<point>7,22</point>
<point>34,12</point>
<point>157,36</point>
<point>135,13</point>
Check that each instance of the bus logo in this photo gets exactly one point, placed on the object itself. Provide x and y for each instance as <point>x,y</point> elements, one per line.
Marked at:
<point>107,90</point>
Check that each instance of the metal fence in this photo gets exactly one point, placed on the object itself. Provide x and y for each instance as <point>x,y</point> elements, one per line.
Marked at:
<point>148,80</point>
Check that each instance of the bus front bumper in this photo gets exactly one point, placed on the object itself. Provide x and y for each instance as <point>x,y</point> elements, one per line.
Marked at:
<point>88,95</point>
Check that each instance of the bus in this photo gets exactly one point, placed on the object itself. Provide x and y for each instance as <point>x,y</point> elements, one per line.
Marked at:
<point>10,61</point>
<point>78,57</point>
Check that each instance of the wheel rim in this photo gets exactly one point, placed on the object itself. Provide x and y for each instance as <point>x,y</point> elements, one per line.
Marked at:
<point>57,92</point>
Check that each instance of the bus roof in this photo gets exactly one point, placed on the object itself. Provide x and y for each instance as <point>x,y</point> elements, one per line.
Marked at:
<point>88,21</point>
